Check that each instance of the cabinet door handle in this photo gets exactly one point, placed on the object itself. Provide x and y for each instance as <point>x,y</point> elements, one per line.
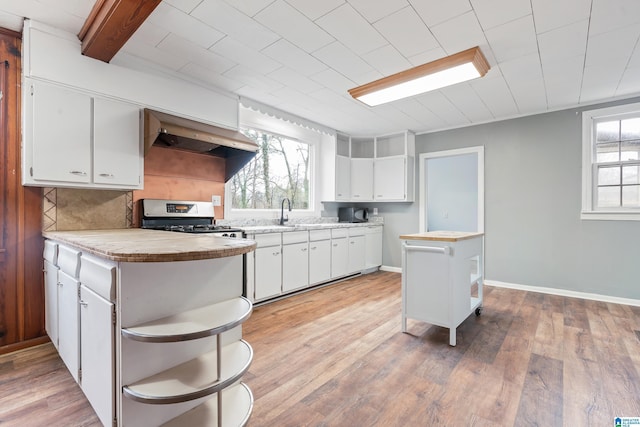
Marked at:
<point>379,195</point>
<point>59,283</point>
<point>313,248</point>
<point>84,303</point>
<point>107,175</point>
<point>276,253</point>
<point>304,249</point>
<point>79,173</point>
<point>353,243</point>
<point>335,244</point>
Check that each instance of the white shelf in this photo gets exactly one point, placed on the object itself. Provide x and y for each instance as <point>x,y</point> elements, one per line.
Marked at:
<point>238,405</point>
<point>194,379</point>
<point>193,324</point>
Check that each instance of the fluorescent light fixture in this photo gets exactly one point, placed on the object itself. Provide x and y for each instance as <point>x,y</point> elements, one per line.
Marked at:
<point>466,65</point>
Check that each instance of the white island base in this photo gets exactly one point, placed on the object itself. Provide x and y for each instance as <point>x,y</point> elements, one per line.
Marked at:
<point>442,278</point>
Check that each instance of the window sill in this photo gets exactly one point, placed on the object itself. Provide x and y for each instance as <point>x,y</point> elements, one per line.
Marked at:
<point>610,216</point>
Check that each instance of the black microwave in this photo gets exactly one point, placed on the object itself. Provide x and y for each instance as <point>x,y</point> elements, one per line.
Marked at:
<point>353,214</point>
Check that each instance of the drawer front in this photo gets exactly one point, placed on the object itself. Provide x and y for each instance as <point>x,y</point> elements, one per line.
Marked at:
<point>339,232</point>
<point>51,252</point>
<point>295,237</point>
<point>268,239</point>
<point>99,277</point>
<point>69,260</point>
<point>317,235</point>
<point>357,231</point>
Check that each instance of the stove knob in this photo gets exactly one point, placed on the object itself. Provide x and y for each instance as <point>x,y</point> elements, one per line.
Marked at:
<point>225,235</point>
<point>232,235</point>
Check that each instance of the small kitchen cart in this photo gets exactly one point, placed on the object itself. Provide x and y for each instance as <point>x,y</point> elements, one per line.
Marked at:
<point>442,278</point>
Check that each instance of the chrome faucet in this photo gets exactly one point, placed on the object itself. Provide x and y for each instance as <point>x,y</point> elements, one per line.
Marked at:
<point>282,218</point>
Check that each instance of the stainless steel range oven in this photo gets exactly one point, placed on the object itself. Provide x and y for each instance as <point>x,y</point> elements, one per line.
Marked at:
<point>188,217</point>
<point>184,217</point>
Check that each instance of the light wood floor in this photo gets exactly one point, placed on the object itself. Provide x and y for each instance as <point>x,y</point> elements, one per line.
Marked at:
<point>336,357</point>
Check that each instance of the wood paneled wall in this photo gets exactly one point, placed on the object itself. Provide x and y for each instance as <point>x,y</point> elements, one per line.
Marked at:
<point>21,243</point>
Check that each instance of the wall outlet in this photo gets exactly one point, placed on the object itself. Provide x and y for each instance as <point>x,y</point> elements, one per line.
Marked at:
<point>375,211</point>
<point>216,200</point>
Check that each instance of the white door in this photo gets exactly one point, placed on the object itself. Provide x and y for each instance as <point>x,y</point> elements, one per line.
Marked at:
<point>339,257</point>
<point>51,301</point>
<point>295,266</point>
<point>268,272</point>
<point>452,190</point>
<point>319,261</point>
<point>116,138</point>
<point>69,323</point>
<point>60,133</point>
<point>97,353</point>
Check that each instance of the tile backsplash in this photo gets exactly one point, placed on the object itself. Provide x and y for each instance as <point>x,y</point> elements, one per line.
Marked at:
<point>76,209</point>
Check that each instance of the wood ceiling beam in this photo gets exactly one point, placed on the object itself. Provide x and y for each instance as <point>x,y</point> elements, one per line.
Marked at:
<point>110,24</point>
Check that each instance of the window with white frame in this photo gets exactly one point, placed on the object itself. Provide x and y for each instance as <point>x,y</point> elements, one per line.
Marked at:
<point>611,163</point>
<point>281,169</point>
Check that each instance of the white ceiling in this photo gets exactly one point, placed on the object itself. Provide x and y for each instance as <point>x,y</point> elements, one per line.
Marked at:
<point>301,56</point>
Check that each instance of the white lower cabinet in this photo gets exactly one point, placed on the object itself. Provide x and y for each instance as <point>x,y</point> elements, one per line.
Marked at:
<point>339,253</point>
<point>319,256</point>
<point>51,301</point>
<point>295,261</point>
<point>97,353</point>
<point>267,266</point>
<point>373,246</point>
<point>68,323</point>
<point>356,250</point>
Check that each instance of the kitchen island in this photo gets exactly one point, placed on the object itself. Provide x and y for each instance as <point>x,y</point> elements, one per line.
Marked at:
<point>442,278</point>
<point>149,324</point>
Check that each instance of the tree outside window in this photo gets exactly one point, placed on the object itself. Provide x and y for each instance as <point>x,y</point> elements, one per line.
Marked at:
<point>280,169</point>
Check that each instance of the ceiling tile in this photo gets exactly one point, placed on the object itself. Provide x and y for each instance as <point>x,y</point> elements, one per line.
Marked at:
<point>234,23</point>
<point>629,84</point>
<point>186,6</point>
<point>376,10</point>
<point>459,33</point>
<point>313,9</point>
<point>467,101</point>
<point>614,47</point>
<point>495,94</point>
<point>387,60</point>
<point>428,56</point>
<point>249,7</point>
<point>241,54</point>
<point>351,29</point>
<point>290,78</point>
<point>608,15</point>
<point>178,47</point>
<point>434,12</point>
<point>492,13</point>
<point>252,79</point>
<point>563,79</point>
<point>406,32</point>
<point>443,108</point>
<point>600,82</point>
<point>208,76</point>
<point>186,26</point>
<point>333,80</point>
<point>149,34</point>
<point>418,111</point>
<point>153,55</point>
<point>294,26</point>
<point>563,42</point>
<point>294,57</point>
<point>513,39</point>
<point>343,61</point>
<point>525,80</point>
<point>551,14</point>
<point>51,13</point>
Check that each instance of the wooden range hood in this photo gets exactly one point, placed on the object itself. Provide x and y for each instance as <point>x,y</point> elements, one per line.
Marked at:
<point>166,130</point>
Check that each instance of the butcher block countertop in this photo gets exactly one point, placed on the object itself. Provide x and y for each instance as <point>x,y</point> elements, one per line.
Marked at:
<point>441,236</point>
<point>138,245</point>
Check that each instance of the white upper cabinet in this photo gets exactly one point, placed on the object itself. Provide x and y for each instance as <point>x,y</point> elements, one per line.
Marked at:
<point>72,139</point>
<point>116,143</point>
<point>367,169</point>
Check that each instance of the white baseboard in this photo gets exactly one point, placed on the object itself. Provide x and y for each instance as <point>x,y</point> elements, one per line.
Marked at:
<point>564,293</point>
<point>391,269</point>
